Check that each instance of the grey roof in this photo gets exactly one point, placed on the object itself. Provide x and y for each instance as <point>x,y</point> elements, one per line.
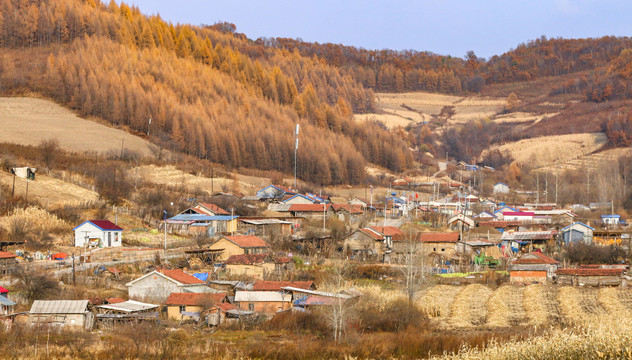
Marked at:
<point>279,207</point>
<point>59,307</point>
<point>6,302</point>
<point>526,235</point>
<point>265,221</point>
<point>261,296</point>
<point>129,306</point>
<point>317,293</point>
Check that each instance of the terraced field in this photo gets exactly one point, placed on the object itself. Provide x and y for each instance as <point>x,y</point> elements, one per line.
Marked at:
<point>477,305</point>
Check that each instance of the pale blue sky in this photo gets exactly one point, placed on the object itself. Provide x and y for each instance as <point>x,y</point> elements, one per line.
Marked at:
<point>443,27</point>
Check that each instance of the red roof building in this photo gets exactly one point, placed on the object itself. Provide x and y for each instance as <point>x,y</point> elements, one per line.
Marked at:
<point>435,237</point>
<point>105,225</point>
<point>210,209</point>
<point>181,277</point>
<point>247,241</point>
<point>535,258</point>
<point>309,207</point>
<point>392,231</point>
<point>7,255</point>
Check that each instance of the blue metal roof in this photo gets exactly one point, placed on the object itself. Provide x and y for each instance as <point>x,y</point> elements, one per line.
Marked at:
<point>610,216</point>
<point>202,217</point>
<point>578,222</point>
<point>6,302</point>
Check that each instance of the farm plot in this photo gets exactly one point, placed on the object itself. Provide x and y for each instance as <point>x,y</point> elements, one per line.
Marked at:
<point>506,307</point>
<point>615,301</point>
<point>435,302</point>
<point>541,304</point>
<point>579,306</point>
<point>469,308</point>
<point>48,191</point>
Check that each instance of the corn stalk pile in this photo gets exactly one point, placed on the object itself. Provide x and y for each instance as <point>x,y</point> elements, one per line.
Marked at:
<point>506,307</point>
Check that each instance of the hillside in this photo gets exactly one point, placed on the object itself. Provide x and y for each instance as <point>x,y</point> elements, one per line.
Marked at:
<point>29,121</point>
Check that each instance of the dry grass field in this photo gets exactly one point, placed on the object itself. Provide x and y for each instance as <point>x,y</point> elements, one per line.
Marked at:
<point>28,121</point>
<point>593,161</point>
<point>397,109</point>
<point>477,305</point>
<point>547,150</point>
<point>48,191</point>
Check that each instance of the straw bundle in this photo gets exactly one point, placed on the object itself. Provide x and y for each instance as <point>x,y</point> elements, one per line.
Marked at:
<point>579,306</point>
<point>435,301</point>
<point>612,302</point>
<point>470,306</point>
<point>505,307</point>
<point>541,304</point>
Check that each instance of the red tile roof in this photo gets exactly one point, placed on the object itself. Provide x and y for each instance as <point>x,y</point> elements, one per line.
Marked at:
<point>309,207</point>
<point>246,259</point>
<point>396,233</point>
<point>6,255</point>
<point>215,209</point>
<point>105,225</point>
<point>114,300</point>
<point>541,259</point>
<point>372,234</point>
<point>429,237</point>
<point>590,272</point>
<point>247,241</point>
<point>352,209</point>
<point>182,277</point>
<point>193,299</point>
<point>521,213</point>
<point>3,290</point>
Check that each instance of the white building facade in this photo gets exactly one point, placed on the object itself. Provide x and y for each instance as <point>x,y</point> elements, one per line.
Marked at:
<point>98,233</point>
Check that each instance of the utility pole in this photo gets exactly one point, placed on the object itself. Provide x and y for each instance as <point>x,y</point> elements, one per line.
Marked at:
<point>324,216</point>
<point>556,171</point>
<point>13,188</point>
<point>295,155</point>
<point>74,282</point>
<point>537,182</point>
<point>212,180</point>
<point>26,199</point>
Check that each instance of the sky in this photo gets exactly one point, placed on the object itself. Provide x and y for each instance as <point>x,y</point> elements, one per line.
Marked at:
<point>446,27</point>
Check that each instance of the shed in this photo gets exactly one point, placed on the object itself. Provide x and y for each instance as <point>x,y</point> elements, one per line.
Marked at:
<point>590,277</point>
<point>181,304</point>
<point>577,232</point>
<point>501,188</point>
<point>159,284</point>
<point>63,313</point>
<point>126,307</point>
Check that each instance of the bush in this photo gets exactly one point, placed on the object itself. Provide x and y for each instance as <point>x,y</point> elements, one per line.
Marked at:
<point>396,316</point>
<point>594,254</point>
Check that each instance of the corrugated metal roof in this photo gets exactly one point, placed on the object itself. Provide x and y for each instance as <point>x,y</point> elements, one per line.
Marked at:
<point>527,235</point>
<point>59,307</point>
<point>6,302</point>
<point>129,306</point>
<point>261,296</point>
<point>279,207</point>
<point>202,217</point>
<point>265,222</point>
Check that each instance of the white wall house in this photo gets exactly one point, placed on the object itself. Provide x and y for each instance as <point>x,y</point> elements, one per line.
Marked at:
<point>501,188</point>
<point>98,233</point>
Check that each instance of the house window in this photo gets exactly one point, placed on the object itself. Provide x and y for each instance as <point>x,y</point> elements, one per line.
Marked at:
<point>182,308</point>
<point>434,249</point>
<point>251,306</point>
<point>442,249</point>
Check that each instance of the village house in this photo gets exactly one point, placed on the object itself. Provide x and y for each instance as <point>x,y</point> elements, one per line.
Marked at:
<point>181,305</point>
<point>7,262</point>
<point>257,265</point>
<point>300,199</point>
<point>240,245</point>
<point>311,211</point>
<point>461,222</point>
<point>157,285</point>
<point>126,307</point>
<point>364,244</point>
<point>206,209</point>
<point>98,233</point>
<point>6,305</point>
<point>263,302</point>
<point>577,232</point>
<point>307,298</point>
<point>528,240</point>
<point>265,227</point>
<point>348,213</point>
<point>485,216</point>
<point>62,313</point>
<point>224,312</point>
<point>501,188</point>
<point>522,216</point>
<point>443,244</point>
<point>201,223</point>
<point>274,192</point>
<point>533,268</point>
<point>611,220</point>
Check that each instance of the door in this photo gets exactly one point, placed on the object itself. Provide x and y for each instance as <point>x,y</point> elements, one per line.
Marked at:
<point>109,239</point>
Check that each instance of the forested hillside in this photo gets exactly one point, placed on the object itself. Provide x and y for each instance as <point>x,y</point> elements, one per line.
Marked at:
<point>210,93</point>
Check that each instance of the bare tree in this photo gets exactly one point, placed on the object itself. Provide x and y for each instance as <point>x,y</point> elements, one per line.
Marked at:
<point>413,266</point>
<point>35,285</point>
<point>48,151</point>
<point>339,312</point>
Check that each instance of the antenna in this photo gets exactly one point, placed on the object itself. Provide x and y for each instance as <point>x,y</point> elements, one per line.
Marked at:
<point>295,154</point>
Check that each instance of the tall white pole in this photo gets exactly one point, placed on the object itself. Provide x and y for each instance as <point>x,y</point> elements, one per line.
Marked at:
<point>295,155</point>
<point>324,216</point>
